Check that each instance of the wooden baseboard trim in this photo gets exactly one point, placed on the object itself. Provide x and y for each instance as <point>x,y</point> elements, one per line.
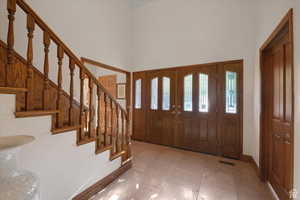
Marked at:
<point>100,185</point>
<point>250,159</point>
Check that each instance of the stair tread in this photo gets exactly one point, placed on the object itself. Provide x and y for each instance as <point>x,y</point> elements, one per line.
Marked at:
<point>108,147</point>
<point>116,155</point>
<point>65,129</point>
<point>86,141</point>
<point>36,113</point>
<point>12,90</point>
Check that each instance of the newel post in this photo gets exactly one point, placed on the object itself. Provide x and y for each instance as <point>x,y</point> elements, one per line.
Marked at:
<point>11,8</point>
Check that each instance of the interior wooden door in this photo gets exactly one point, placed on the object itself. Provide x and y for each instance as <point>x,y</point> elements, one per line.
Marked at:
<point>109,82</point>
<point>196,127</point>
<point>160,104</point>
<point>230,109</point>
<point>280,172</point>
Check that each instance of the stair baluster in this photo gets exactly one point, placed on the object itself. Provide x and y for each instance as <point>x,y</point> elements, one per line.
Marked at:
<point>111,122</point>
<point>47,41</point>
<point>91,110</point>
<point>122,130</point>
<point>82,112</point>
<point>29,78</point>
<point>105,120</point>
<point>71,109</point>
<point>117,130</point>
<point>99,134</point>
<point>60,56</point>
<point>11,8</point>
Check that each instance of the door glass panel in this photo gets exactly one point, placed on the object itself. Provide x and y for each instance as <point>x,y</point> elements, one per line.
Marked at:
<point>166,93</point>
<point>231,92</point>
<point>203,92</point>
<point>138,94</point>
<point>188,93</point>
<point>154,93</point>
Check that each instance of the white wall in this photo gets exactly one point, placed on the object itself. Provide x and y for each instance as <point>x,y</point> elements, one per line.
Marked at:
<point>98,29</point>
<point>269,15</point>
<point>176,32</point>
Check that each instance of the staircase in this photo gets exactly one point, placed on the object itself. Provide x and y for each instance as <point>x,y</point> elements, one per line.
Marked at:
<point>37,95</point>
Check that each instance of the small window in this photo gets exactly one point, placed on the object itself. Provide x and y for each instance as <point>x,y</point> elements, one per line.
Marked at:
<point>154,93</point>
<point>188,93</point>
<point>166,93</point>
<point>138,94</point>
<point>203,92</point>
<point>231,92</point>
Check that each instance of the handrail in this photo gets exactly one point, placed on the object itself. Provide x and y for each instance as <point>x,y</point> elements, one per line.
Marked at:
<point>60,43</point>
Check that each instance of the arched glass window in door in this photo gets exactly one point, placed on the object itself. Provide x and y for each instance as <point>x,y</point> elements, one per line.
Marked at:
<point>203,92</point>
<point>138,94</point>
<point>231,92</point>
<point>188,93</point>
<point>166,93</point>
<point>154,93</point>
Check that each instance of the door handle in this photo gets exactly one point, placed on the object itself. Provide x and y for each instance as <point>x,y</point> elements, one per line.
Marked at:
<point>287,142</point>
<point>277,136</point>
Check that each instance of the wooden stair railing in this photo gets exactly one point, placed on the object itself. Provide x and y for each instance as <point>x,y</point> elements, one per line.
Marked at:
<point>48,98</point>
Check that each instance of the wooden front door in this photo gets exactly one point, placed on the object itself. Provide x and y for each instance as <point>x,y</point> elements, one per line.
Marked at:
<point>197,109</point>
<point>161,106</point>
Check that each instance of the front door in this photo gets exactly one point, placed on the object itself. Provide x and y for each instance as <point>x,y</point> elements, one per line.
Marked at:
<point>197,109</point>
<point>161,107</point>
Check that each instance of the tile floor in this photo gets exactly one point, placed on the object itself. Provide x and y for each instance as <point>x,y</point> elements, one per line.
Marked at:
<point>163,173</point>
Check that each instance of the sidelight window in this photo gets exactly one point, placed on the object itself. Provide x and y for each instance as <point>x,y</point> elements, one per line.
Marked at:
<point>203,92</point>
<point>154,93</point>
<point>231,92</point>
<point>138,94</point>
<point>166,93</point>
<point>188,93</point>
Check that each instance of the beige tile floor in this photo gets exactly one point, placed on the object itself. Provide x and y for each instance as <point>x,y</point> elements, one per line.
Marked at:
<point>163,173</point>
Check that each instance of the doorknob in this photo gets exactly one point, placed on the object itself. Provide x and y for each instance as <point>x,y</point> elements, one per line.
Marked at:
<point>287,142</point>
<point>277,136</point>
